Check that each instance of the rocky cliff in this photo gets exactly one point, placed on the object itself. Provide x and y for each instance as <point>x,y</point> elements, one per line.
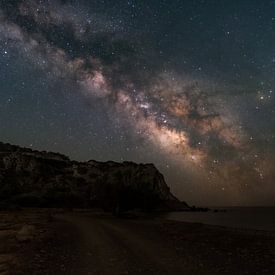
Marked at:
<point>45,179</point>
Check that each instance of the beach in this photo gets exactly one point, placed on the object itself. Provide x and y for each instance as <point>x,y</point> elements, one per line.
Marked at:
<point>51,241</point>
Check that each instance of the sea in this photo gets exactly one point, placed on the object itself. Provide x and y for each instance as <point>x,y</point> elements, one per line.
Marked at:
<point>259,218</point>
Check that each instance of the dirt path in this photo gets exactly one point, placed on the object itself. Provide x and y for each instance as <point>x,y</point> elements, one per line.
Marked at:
<point>116,246</point>
<point>75,243</point>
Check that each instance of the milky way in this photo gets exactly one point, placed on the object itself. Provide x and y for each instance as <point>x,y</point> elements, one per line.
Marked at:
<point>185,118</point>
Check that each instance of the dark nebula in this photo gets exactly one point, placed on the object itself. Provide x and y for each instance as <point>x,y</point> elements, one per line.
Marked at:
<point>187,85</point>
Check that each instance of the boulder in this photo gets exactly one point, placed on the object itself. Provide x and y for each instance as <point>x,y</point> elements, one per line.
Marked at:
<point>26,233</point>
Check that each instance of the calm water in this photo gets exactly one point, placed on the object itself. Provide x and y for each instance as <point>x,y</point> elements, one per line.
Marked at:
<point>262,218</point>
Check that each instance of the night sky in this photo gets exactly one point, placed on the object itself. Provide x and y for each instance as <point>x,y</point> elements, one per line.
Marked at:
<point>187,85</point>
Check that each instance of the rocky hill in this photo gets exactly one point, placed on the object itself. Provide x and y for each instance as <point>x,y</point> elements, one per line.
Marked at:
<point>45,179</point>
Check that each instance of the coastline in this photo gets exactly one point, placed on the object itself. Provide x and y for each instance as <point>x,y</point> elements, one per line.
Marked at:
<point>248,218</point>
<point>50,241</point>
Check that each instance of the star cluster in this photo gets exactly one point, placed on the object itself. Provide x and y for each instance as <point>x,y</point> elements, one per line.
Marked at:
<point>187,86</point>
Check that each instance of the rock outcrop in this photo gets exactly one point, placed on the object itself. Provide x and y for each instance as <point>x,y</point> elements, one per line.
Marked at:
<point>45,179</point>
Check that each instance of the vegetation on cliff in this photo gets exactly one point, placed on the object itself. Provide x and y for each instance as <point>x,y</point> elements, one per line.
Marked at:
<point>44,179</point>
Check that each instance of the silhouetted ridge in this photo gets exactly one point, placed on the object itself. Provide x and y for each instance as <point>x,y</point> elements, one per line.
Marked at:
<point>46,179</point>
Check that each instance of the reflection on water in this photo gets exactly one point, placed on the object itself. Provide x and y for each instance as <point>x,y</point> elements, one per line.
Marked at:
<point>261,218</point>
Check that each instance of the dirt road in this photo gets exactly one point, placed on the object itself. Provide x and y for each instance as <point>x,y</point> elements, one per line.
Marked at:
<point>75,243</point>
<point>117,246</point>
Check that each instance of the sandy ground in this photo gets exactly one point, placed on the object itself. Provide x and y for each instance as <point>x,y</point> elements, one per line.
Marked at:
<point>58,242</point>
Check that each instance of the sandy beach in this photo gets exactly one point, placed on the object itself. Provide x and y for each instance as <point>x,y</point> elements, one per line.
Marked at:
<point>78,242</point>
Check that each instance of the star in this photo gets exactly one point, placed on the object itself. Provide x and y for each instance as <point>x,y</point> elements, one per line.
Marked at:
<point>147,81</point>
